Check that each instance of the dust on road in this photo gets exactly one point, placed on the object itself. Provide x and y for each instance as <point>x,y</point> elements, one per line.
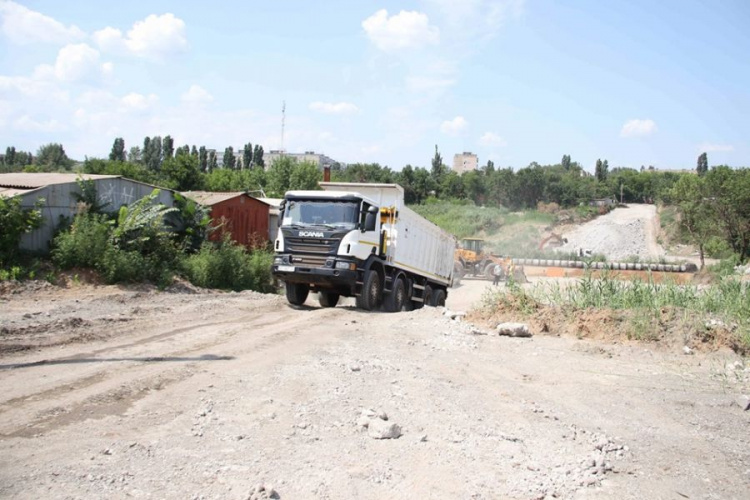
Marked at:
<point>112,392</point>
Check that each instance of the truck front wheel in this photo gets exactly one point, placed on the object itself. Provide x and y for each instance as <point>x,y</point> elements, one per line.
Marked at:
<point>296,293</point>
<point>372,291</point>
<point>328,299</point>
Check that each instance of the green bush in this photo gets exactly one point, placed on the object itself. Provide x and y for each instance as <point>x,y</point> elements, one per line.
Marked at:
<point>229,266</point>
<point>14,222</point>
<point>84,244</point>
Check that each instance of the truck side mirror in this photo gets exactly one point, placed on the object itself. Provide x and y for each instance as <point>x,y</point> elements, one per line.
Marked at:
<point>371,219</point>
<point>280,218</point>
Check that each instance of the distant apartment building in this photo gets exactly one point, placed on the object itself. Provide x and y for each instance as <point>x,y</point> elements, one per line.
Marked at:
<point>318,159</point>
<point>465,162</point>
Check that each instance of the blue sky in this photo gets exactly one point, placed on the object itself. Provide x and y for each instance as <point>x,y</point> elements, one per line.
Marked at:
<point>637,82</point>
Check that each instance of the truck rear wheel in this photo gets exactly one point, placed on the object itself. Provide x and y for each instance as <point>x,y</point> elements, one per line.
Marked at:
<point>328,299</point>
<point>427,296</point>
<point>296,293</point>
<point>372,291</point>
<point>394,301</point>
<point>438,298</point>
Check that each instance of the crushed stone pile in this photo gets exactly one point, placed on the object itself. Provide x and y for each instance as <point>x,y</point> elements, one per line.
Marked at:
<point>617,240</point>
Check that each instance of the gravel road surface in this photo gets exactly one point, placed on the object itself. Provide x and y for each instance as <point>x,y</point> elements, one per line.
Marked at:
<point>114,392</point>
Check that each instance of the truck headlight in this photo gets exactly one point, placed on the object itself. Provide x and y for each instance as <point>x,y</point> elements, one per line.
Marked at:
<point>277,261</point>
<point>344,265</point>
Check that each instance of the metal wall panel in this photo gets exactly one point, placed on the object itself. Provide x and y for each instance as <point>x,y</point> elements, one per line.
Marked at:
<point>60,203</point>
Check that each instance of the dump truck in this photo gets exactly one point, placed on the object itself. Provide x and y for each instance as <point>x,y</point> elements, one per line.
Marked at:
<point>361,240</point>
<point>471,259</point>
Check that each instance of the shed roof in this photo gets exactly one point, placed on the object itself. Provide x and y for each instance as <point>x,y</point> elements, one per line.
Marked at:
<point>26,180</point>
<point>209,198</point>
<point>11,192</point>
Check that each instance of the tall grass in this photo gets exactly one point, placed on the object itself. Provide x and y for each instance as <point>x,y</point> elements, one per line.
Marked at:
<point>727,300</point>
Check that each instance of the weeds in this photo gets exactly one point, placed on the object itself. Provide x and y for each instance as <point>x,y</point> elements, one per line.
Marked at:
<point>649,306</point>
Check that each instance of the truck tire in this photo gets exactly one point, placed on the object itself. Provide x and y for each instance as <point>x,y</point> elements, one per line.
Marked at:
<point>438,298</point>
<point>427,295</point>
<point>394,301</point>
<point>372,292</point>
<point>296,293</point>
<point>328,299</point>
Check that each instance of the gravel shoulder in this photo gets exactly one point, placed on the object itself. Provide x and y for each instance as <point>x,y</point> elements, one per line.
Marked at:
<point>138,393</point>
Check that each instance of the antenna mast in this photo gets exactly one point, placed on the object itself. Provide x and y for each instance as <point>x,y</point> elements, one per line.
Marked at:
<point>283,119</point>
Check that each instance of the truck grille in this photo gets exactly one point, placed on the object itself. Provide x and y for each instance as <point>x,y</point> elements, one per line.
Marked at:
<point>327,246</point>
<point>309,260</point>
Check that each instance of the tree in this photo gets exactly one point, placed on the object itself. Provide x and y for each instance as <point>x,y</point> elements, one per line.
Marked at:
<point>10,155</point>
<point>258,156</point>
<point>167,147</point>
<point>52,157</point>
<point>134,156</point>
<point>247,155</point>
<point>279,175</point>
<point>203,158</point>
<point>728,192</point>
<point>600,171</point>
<point>305,176</point>
<point>194,151</point>
<point>702,166</point>
<point>15,220</point>
<point>565,162</point>
<point>146,150</point>
<point>212,161</point>
<point>118,150</point>
<point>697,216</point>
<point>229,161</point>
<point>152,153</point>
<point>438,169</point>
<point>182,172</point>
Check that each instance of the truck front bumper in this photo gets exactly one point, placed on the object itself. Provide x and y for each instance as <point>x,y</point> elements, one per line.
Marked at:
<point>317,277</point>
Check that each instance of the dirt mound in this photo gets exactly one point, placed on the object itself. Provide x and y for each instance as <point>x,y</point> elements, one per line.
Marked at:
<point>669,328</point>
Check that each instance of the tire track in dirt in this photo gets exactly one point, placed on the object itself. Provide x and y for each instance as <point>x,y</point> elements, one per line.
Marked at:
<point>95,397</point>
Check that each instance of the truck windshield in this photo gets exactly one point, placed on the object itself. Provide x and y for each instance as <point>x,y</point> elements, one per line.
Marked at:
<point>327,213</point>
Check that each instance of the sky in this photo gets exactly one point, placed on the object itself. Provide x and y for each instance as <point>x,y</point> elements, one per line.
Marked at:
<point>636,82</point>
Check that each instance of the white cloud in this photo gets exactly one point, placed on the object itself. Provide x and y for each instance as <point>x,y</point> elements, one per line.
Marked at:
<point>152,38</point>
<point>491,139</point>
<point>638,128</point>
<point>139,102</point>
<point>407,29</point>
<point>27,124</point>
<point>196,95</point>
<point>22,25</point>
<point>454,126</point>
<point>469,21</point>
<point>74,63</point>
<point>334,108</point>
<point>109,40</point>
<point>708,147</point>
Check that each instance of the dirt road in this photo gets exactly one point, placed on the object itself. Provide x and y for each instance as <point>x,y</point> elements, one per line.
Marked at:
<point>624,232</point>
<point>116,393</point>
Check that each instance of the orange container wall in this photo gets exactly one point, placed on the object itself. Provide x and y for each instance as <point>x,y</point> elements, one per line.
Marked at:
<point>243,217</point>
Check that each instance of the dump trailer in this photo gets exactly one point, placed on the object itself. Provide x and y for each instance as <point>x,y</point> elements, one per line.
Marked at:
<point>360,240</point>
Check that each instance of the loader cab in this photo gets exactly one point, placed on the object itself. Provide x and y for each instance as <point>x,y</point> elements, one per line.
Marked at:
<point>475,245</point>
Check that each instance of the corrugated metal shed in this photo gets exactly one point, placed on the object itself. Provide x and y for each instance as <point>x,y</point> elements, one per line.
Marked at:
<point>58,191</point>
<point>245,218</point>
